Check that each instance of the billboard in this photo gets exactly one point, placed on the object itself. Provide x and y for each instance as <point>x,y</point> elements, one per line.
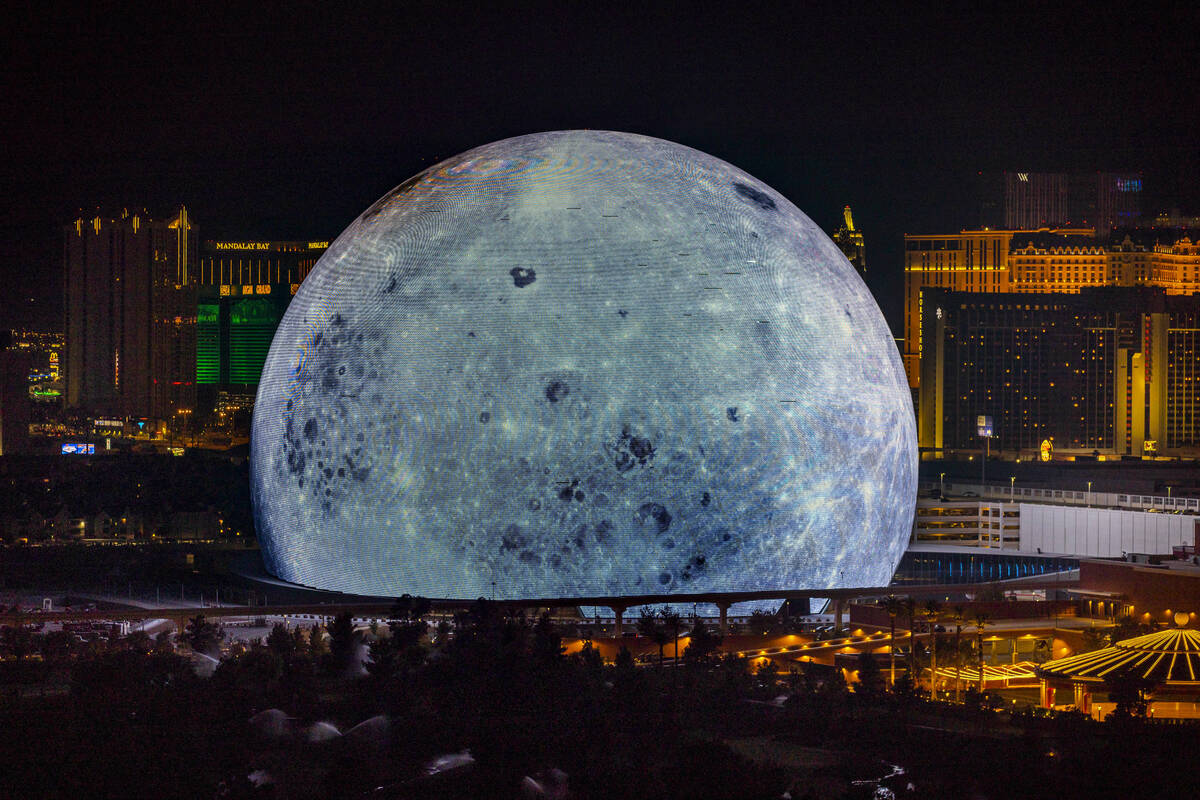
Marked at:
<point>78,449</point>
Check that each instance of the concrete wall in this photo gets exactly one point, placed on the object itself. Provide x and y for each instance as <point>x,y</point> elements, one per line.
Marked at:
<point>1102,532</point>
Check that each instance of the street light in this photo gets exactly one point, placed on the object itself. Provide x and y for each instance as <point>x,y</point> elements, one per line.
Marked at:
<point>942,486</point>
<point>1089,494</point>
<point>1012,487</point>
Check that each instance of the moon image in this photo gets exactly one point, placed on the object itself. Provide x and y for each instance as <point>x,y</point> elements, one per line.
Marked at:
<point>583,363</point>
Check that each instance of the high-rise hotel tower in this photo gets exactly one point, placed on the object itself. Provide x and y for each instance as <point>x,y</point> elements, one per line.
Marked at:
<point>129,310</point>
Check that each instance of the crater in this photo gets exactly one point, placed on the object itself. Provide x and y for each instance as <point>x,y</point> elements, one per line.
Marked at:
<point>759,198</point>
<point>522,277</point>
<point>655,512</point>
<point>630,451</point>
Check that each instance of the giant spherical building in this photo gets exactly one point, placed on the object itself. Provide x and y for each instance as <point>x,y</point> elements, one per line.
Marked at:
<point>582,363</point>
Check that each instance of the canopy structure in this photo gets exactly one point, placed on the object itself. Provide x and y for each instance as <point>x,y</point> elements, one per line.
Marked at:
<point>1168,661</point>
<point>1000,676</point>
<point>1171,656</point>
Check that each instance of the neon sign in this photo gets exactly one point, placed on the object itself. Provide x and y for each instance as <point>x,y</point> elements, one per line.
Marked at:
<point>241,245</point>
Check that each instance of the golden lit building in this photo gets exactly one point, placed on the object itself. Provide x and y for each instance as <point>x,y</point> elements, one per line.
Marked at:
<point>1176,267</point>
<point>967,261</point>
<point>849,240</point>
<point>1063,260</point>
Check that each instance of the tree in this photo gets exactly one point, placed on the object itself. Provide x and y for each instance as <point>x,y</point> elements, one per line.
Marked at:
<point>981,622</point>
<point>547,643</point>
<point>833,688</point>
<point>163,645</point>
<point>892,605</point>
<point>671,623</point>
<point>57,647</point>
<point>409,610</point>
<point>905,689</point>
<point>910,610</point>
<point>317,647</point>
<point>383,661</point>
<point>1127,627</point>
<point>767,674</point>
<point>958,614</point>
<point>761,622</point>
<point>624,660</point>
<point>932,611</point>
<point>1129,692</point>
<point>202,636</point>
<point>138,641</point>
<point>343,643</point>
<point>280,641</point>
<point>1094,639</point>
<point>408,627</point>
<point>394,654</point>
<point>251,677</point>
<point>870,678</point>
<point>591,660</point>
<point>650,625</point>
<point>702,644</point>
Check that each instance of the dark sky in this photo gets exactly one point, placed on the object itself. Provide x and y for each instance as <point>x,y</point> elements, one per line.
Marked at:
<point>288,124</point>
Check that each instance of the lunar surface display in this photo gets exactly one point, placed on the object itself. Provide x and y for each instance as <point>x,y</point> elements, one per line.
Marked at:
<point>583,363</point>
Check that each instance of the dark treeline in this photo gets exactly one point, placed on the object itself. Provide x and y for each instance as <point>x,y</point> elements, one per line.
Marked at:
<point>346,713</point>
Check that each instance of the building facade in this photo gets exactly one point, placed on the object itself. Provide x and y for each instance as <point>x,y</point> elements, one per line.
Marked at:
<point>1057,521</point>
<point>1043,261</point>
<point>244,289</point>
<point>129,315</point>
<point>1106,370</point>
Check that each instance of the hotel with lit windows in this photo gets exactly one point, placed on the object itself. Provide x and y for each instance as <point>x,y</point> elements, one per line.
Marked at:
<point>243,289</point>
<point>1059,337</point>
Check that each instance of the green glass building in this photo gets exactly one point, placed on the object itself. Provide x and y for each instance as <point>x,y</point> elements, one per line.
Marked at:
<point>244,289</point>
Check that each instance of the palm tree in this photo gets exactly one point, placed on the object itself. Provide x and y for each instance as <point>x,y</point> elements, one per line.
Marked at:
<point>892,605</point>
<point>931,611</point>
<point>670,620</point>
<point>958,614</point>
<point>910,608</point>
<point>981,621</point>
<point>650,625</point>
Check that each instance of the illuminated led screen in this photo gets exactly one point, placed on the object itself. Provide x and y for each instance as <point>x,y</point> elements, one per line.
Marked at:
<point>78,449</point>
<point>583,363</point>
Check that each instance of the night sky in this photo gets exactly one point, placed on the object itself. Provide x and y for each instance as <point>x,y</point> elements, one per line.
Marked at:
<point>289,124</point>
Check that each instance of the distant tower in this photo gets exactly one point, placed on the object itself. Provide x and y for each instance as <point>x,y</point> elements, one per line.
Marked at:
<point>130,315</point>
<point>850,240</point>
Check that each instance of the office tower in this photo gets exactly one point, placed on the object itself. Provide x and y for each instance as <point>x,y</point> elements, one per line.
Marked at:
<point>129,315</point>
<point>850,241</point>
